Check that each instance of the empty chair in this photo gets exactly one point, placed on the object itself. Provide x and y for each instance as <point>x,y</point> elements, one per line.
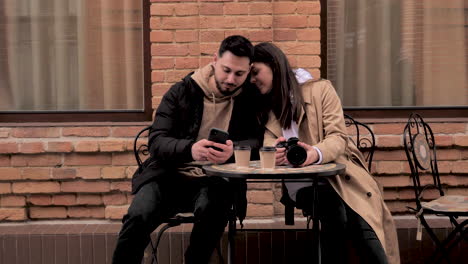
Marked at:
<point>420,148</point>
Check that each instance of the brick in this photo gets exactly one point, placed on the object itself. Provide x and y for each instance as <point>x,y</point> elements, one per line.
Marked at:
<point>123,159</point>
<point>390,155</point>
<point>112,146</point>
<point>5,187</point>
<point>211,36</point>
<point>220,22</point>
<point>123,186</point>
<point>443,140</point>
<point>86,131</point>
<point>395,181</point>
<point>245,22</point>
<point>460,140</point>
<point>262,197</point>
<point>162,63</point>
<point>86,146</point>
<point>12,214</point>
<point>261,35</point>
<point>260,8</point>
<point>5,132</point>
<point>48,212</point>
<point>64,199</point>
<point>89,199</point>
<point>113,173</point>
<point>5,161</point>
<point>283,8</point>
<point>115,211</point>
<point>260,186</point>
<point>186,9</point>
<point>36,187</point>
<point>308,61</point>
<point>10,173</point>
<point>157,76</point>
<point>36,160</point>
<point>128,131</point>
<point>31,147</point>
<point>235,8</point>
<point>290,21</point>
<point>12,201</point>
<point>388,129</point>
<point>389,167</point>
<point>161,36</point>
<point>299,48</point>
<point>389,141</point>
<point>86,159</point>
<point>308,34</point>
<point>8,147</point>
<point>162,9</point>
<point>399,206</point>
<point>177,23</point>
<point>114,199</point>
<point>460,166</point>
<point>35,173</point>
<point>313,21</point>
<point>169,50</point>
<point>259,210</point>
<point>211,9</point>
<point>448,154</point>
<point>36,132</point>
<point>40,199</point>
<point>59,146</point>
<point>85,212</point>
<point>308,8</point>
<point>186,63</point>
<point>88,173</point>
<point>63,173</point>
<point>284,34</point>
<point>448,128</point>
<point>85,186</point>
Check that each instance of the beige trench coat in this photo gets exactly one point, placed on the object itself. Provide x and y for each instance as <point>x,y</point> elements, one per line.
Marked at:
<point>321,124</point>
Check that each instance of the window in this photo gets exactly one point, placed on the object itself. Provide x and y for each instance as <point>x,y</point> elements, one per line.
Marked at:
<point>406,54</point>
<point>69,59</point>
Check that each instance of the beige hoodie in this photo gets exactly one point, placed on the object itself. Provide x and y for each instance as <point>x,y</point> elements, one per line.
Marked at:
<point>217,110</point>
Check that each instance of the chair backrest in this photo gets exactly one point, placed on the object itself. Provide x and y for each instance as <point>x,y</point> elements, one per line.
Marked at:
<point>420,149</point>
<point>143,149</point>
<point>363,138</point>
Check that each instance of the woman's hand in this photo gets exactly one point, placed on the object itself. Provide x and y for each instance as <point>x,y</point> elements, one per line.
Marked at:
<point>312,155</point>
<point>280,153</point>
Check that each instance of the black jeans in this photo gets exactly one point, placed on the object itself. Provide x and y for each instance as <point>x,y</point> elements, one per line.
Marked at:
<point>341,228</point>
<point>207,197</point>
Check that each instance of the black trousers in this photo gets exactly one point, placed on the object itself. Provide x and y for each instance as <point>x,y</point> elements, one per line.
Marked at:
<point>344,234</point>
<point>207,197</point>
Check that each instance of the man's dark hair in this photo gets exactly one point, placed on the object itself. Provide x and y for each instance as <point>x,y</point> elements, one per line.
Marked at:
<point>238,45</point>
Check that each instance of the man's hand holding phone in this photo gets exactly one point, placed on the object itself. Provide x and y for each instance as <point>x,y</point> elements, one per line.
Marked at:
<point>217,149</point>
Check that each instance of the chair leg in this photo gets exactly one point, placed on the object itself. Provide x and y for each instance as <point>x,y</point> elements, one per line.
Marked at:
<point>440,246</point>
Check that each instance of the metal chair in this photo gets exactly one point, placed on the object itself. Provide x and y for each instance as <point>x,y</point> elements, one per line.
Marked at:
<point>176,220</point>
<point>364,138</point>
<point>420,149</point>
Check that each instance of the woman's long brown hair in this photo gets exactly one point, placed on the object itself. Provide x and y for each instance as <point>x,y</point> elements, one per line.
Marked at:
<point>285,98</point>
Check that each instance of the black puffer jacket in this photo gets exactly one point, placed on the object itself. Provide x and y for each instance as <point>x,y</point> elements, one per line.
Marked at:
<point>176,127</point>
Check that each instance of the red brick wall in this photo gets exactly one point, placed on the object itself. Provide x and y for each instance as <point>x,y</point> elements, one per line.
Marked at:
<point>82,171</point>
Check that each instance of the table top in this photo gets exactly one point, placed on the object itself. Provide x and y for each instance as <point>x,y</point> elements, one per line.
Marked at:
<point>254,171</point>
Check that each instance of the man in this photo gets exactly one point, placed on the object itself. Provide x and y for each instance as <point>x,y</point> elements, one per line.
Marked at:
<point>172,180</point>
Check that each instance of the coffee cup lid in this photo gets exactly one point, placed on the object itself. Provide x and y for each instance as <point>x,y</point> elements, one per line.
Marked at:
<point>240,147</point>
<point>268,149</point>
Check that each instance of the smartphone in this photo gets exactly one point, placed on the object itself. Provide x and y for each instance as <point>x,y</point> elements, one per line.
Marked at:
<point>219,136</point>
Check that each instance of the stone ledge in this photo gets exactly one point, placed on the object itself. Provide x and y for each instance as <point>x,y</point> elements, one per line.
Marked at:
<point>105,226</point>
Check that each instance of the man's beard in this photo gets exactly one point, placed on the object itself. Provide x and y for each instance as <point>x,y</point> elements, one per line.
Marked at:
<point>225,92</point>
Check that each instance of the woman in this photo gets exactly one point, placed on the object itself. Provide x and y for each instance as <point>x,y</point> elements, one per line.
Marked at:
<point>351,206</point>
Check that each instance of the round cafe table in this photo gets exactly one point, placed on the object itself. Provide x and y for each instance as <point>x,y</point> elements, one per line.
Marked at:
<point>254,172</point>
